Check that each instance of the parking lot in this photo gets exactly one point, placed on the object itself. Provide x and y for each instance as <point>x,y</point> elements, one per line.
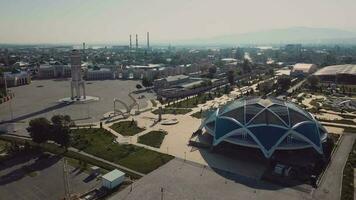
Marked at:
<point>31,177</point>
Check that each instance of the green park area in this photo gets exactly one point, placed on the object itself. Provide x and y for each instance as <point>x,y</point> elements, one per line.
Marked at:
<point>101,143</point>
<point>199,99</point>
<point>127,128</point>
<point>173,111</point>
<point>153,138</point>
<point>197,115</point>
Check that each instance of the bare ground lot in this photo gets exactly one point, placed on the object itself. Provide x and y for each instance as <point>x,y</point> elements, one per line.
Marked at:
<point>46,182</point>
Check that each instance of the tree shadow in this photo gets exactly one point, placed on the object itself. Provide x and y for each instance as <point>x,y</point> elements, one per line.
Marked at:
<point>39,164</point>
<point>45,110</point>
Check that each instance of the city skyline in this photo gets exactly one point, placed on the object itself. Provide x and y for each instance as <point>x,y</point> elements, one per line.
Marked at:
<point>96,21</point>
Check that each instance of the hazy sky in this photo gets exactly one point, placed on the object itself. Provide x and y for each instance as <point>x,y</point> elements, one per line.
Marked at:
<point>92,21</point>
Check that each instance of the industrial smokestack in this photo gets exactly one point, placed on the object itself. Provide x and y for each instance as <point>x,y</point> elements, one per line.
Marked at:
<point>84,51</point>
<point>136,42</point>
<point>148,40</point>
<point>130,42</point>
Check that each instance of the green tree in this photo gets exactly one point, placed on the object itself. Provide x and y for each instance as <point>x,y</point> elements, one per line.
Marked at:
<point>147,82</point>
<point>313,81</point>
<point>39,130</point>
<point>211,71</point>
<point>246,67</point>
<point>231,77</point>
<point>283,83</point>
<point>61,135</point>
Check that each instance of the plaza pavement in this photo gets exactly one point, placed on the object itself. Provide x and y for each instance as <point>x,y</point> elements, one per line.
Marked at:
<point>40,99</point>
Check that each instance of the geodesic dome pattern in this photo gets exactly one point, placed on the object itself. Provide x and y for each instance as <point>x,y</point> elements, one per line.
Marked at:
<point>265,123</point>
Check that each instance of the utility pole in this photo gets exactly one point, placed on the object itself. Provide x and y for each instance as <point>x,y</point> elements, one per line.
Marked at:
<point>6,94</point>
<point>65,180</point>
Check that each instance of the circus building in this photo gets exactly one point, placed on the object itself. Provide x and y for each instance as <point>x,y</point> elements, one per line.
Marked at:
<point>268,124</point>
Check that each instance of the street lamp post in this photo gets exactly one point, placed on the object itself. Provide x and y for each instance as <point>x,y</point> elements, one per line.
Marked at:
<point>6,94</point>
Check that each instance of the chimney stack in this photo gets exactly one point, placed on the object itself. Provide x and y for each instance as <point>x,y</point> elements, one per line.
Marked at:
<point>130,42</point>
<point>148,40</point>
<point>136,42</point>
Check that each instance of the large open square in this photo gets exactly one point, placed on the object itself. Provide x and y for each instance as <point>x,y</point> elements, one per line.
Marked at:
<point>40,99</point>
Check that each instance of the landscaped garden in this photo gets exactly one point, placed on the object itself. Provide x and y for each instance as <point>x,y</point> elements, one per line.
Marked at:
<point>153,138</point>
<point>101,143</point>
<point>194,101</point>
<point>197,115</point>
<point>127,128</point>
<point>173,111</point>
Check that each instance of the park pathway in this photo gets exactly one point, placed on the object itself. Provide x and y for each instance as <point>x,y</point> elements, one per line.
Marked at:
<point>331,183</point>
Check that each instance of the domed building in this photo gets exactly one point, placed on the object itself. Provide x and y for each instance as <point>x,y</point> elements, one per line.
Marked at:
<point>268,124</point>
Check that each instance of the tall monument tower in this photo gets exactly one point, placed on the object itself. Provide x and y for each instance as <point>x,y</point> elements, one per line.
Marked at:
<point>77,81</point>
<point>148,40</point>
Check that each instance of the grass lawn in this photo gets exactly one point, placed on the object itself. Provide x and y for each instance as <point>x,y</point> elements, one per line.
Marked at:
<point>126,128</point>
<point>100,142</point>
<point>340,121</point>
<point>197,115</point>
<point>3,146</point>
<point>154,103</point>
<point>153,138</point>
<point>350,130</point>
<point>347,191</point>
<point>199,99</point>
<point>173,111</point>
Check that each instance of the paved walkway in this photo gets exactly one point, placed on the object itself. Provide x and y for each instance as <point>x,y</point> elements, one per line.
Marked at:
<point>330,187</point>
<point>338,124</point>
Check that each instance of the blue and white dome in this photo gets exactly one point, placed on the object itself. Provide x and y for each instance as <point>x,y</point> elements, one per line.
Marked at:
<point>268,124</point>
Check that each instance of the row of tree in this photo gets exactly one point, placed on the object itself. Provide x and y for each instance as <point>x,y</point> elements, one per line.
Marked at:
<point>58,129</point>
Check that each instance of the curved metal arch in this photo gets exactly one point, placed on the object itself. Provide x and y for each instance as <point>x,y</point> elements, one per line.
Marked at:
<point>299,110</point>
<point>272,125</point>
<point>271,111</point>
<point>264,151</point>
<point>302,123</point>
<point>268,153</point>
<point>305,139</point>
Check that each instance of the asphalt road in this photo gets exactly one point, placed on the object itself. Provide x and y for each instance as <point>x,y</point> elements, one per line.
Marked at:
<point>330,187</point>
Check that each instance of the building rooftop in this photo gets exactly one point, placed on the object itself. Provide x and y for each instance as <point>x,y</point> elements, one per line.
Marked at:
<point>114,174</point>
<point>265,123</point>
<point>337,69</point>
<point>304,67</point>
<point>176,78</point>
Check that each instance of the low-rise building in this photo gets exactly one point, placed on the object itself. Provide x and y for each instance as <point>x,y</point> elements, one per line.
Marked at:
<point>53,71</point>
<point>99,74</point>
<point>14,79</point>
<point>113,179</point>
<point>169,81</point>
<point>303,69</point>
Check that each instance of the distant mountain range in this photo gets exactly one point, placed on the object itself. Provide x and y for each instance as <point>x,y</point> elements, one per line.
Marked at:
<point>301,35</point>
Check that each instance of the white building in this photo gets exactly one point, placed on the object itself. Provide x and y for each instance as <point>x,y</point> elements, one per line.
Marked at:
<point>16,79</point>
<point>303,69</point>
<point>53,71</point>
<point>113,179</point>
<point>99,74</point>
